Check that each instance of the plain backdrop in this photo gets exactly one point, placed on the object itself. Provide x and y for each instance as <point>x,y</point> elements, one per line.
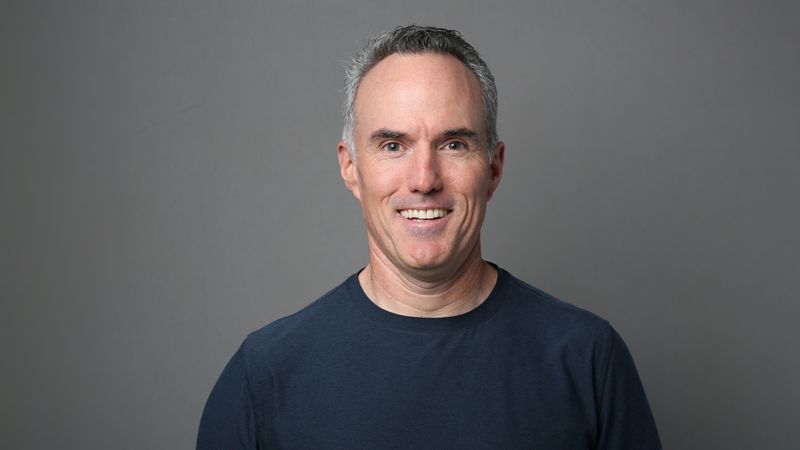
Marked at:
<point>168,183</point>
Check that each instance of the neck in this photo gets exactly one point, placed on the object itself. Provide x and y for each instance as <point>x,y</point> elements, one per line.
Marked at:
<point>410,294</point>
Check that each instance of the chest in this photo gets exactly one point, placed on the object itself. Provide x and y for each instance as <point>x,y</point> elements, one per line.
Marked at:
<point>433,391</point>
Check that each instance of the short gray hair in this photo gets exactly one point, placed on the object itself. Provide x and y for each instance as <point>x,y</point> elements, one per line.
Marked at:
<point>415,39</point>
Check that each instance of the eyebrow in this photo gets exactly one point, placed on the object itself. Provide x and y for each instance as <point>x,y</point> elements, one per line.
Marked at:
<point>385,133</point>
<point>460,132</point>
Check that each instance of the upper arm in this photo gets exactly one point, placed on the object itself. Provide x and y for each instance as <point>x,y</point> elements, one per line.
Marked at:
<point>228,419</point>
<point>625,418</point>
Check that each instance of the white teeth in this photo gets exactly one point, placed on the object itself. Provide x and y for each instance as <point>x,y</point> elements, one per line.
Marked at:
<point>423,213</point>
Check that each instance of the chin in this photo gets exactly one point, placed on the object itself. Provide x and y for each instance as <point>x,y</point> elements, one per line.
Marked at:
<point>425,266</point>
<point>425,260</point>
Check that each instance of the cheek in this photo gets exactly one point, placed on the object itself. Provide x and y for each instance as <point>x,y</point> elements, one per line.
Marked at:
<point>474,186</point>
<point>377,184</point>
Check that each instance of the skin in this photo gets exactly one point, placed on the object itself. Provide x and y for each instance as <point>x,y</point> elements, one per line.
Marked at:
<point>421,144</point>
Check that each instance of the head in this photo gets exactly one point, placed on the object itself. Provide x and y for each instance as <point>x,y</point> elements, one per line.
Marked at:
<point>415,39</point>
<point>418,123</point>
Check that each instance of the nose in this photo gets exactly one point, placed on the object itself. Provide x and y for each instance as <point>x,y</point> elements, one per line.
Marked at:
<point>424,175</point>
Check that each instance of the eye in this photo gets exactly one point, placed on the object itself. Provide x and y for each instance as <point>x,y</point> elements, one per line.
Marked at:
<point>392,146</point>
<point>456,145</point>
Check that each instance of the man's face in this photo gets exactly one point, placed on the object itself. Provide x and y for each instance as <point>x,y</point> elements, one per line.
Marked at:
<point>422,171</point>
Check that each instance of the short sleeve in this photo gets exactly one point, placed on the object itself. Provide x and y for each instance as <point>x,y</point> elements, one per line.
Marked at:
<point>228,420</point>
<point>625,418</point>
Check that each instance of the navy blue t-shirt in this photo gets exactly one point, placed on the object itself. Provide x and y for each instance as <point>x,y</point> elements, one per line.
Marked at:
<point>522,370</point>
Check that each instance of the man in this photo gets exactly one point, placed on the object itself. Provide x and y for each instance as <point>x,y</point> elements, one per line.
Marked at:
<point>429,346</point>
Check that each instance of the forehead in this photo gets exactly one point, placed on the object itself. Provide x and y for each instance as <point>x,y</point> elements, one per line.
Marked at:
<point>427,90</point>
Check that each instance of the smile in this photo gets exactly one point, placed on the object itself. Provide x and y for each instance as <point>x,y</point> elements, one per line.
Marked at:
<point>424,214</point>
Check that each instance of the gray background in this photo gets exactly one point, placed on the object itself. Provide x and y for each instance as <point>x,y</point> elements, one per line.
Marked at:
<point>168,183</point>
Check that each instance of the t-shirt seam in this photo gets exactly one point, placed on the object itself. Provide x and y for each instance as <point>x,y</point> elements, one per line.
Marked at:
<point>452,330</point>
<point>544,296</point>
<point>606,373</point>
<point>251,397</point>
<point>353,303</point>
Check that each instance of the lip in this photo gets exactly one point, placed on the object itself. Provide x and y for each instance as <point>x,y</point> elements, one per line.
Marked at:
<point>424,214</point>
<point>425,229</point>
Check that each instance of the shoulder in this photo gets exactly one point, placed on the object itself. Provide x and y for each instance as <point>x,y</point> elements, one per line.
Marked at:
<point>556,330</point>
<point>295,333</point>
<point>557,321</point>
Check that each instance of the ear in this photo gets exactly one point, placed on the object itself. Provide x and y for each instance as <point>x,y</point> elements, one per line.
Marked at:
<point>347,169</point>
<point>496,167</point>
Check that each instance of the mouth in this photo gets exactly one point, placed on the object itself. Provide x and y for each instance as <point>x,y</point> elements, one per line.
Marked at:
<point>424,214</point>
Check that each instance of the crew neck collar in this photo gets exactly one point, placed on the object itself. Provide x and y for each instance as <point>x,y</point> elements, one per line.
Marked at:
<point>469,319</point>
